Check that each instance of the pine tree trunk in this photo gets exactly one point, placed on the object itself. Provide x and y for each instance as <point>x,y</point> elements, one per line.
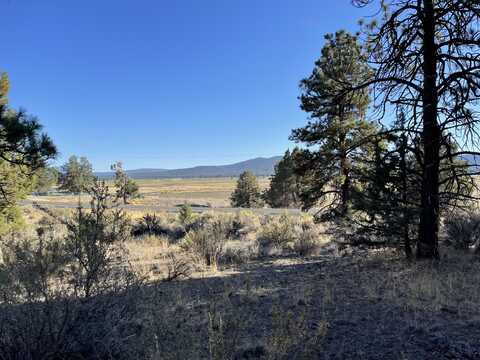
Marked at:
<point>431,134</point>
<point>345,190</point>
<point>344,170</point>
<point>406,215</point>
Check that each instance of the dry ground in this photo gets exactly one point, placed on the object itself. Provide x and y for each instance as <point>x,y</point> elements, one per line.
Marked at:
<point>214,192</point>
<point>365,306</point>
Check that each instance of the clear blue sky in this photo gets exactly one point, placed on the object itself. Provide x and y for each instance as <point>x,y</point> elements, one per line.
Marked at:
<point>157,83</point>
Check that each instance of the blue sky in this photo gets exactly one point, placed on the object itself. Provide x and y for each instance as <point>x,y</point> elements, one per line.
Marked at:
<point>167,84</point>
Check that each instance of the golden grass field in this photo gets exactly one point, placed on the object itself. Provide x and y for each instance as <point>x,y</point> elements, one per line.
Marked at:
<point>214,192</point>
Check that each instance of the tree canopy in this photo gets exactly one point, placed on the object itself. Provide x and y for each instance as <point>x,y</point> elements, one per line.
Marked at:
<point>76,175</point>
<point>126,188</point>
<point>336,126</point>
<point>284,188</point>
<point>24,149</point>
<point>424,54</point>
<point>247,193</point>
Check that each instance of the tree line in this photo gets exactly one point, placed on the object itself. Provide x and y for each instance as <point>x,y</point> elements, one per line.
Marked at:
<point>76,176</point>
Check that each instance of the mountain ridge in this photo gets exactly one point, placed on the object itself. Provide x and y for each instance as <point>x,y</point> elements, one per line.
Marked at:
<point>260,166</point>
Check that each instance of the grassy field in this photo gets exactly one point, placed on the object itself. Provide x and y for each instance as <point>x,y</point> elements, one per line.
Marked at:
<point>214,192</point>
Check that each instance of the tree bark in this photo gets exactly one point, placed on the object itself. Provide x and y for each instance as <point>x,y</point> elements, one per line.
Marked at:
<point>431,135</point>
<point>345,172</point>
<point>345,190</point>
<point>406,214</point>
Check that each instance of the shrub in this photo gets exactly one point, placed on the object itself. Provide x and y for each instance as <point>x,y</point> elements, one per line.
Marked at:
<point>276,235</point>
<point>307,242</point>
<point>238,255</point>
<point>177,267</point>
<point>43,316</point>
<point>205,220</point>
<point>71,297</point>
<point>95,241</point>
<point>463,229</point>
<point>244,222</point>
<point>200,221</point>
<point>185,216</point>
<point>151,224</point>
<point>206,243</point>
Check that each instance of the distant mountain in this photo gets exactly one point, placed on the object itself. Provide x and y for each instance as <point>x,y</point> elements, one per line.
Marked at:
<point>259,166</point>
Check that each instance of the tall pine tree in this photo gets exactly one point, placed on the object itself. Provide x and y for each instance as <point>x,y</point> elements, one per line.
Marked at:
<point>336,127</point>
<point>284,184</point>
<point>425,58</point>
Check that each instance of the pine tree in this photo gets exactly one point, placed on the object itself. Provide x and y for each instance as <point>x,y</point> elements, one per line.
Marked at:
<point>336,126</point>
<point>388,196</point>
<point>284,184</point>
<point>23,150</point>
<point>247,193</point>
<point>45,179</point>
<point>126,187</point>
<point>76,175</point>
<point>425,58</point>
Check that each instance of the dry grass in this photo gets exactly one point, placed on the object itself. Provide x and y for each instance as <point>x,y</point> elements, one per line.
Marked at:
<point>288,306</point>
<point>170,192</point>
<point>448,286</point>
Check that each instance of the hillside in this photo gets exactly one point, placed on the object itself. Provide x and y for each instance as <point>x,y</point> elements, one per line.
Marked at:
<point>259,166</point>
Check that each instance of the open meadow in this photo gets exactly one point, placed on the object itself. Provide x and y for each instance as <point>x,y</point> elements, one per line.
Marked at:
<point>166,193</point>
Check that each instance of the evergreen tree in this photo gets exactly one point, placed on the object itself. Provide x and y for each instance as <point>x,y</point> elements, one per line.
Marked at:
<point>388,195</point>
<point>126,187</point>
<point>76,175</point>
<point>23,150</point>
<point>247,193</point>
<point>425,57</point>
<point>21,140</point>
<point>337,124</point>
<point>45,179</point>
<point>15,184</point>
<point>284,184</point>
<point>386,201</point>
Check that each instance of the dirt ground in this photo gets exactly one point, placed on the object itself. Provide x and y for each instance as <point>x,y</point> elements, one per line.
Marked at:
<point>369,305</point>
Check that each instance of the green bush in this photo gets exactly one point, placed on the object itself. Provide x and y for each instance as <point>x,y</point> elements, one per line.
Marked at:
<point>152,225</point>
<point>186,215</point>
